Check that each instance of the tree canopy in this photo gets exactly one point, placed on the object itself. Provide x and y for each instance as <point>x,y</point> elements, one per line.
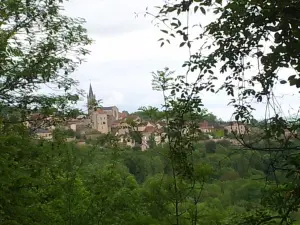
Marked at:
<point>39,47</point>
<point>245,48</point>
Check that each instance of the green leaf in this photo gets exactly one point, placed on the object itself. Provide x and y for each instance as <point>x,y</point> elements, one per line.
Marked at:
<point>203,10</point>
<point>182,44</point>
<point>174,25</point>
<point>292,77</point>
<point>283,81</point>
<point>196,8</point>
<point>164,31</point>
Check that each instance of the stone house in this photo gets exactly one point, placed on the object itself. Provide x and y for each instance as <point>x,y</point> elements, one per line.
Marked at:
<point>44,134</point>
<point>99,121</point>
<point>235,127</point>
<point>205,127</point>
<point>79,125</point>
<point>112,114</point>
<point>126,140</point>
<point>123,128</point>
<point>142,126</point>
<point>122,115</point>
<point>151,130</point>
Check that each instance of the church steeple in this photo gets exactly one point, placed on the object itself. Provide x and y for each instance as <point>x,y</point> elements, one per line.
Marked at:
<point>91,94</point>
<point>91,98</point>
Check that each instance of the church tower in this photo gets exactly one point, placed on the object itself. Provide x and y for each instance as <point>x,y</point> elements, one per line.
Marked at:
<point>91,98</point>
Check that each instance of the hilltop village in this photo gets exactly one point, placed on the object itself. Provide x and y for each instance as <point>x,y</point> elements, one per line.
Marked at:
<point>109,120</point>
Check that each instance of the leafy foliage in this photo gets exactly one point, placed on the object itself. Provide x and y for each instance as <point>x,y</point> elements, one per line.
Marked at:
<point>210,146</point>
<point>38,44</point>
<point>243,36</point>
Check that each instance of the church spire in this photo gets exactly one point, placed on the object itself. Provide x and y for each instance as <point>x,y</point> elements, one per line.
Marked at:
<point>91,94</point>
<point>91,98</point>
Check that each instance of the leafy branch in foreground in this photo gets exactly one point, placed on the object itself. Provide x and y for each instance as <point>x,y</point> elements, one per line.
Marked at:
<point>182,108</point>
<point>249,43</point>
<point>39,47</point>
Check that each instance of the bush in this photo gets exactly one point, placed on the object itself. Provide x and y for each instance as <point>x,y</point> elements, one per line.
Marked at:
<point>220,149</point>
<point>210,147</point>
<point>224,143</point>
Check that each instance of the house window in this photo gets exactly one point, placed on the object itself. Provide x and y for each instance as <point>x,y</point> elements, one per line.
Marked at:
<point>103,122</point>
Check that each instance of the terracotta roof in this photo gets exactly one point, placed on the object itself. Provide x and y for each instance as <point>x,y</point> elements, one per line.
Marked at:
<point>149,129</point>
<point>122,115</point>
<point>205,125</point>
<point>100,111</point>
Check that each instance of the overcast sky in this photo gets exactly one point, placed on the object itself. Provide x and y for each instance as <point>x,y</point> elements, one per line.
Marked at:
<point>125,53</point>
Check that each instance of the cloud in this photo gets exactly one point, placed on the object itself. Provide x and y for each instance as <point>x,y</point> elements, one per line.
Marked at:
<point>125,53</point>
<point>114,98</point>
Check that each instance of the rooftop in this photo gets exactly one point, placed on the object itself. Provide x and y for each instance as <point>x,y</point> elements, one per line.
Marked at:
<point>107,108</point>
<point>44,131</point>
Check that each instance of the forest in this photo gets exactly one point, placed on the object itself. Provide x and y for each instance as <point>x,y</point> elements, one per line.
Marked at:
<point>242,51</point>
<point>62,183</point>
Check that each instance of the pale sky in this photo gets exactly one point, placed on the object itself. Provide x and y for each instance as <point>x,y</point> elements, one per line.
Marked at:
<point>125,53</point>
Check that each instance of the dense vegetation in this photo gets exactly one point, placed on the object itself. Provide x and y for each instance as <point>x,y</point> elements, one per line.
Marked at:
<point>61,183</point>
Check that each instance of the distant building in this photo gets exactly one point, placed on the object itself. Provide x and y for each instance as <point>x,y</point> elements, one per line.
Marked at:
<point>236,128</point>
<point>102,118</point>
<point>79,125</point>
<point>43,134</point>
<point>123,115</point>
<point>206,128</point>
<point>99,120</point>
<point>112,113</point>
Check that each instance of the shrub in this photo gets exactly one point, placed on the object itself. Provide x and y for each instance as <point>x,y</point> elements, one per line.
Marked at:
<point>210,147</point>
<point>224,143</point>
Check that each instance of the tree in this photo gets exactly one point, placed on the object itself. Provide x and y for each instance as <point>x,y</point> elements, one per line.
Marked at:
<point>61,133</point>
<point>210,146</point>
<point>182,133</point>
<point>234,42</point>
<point>74,113</point>
<point>150,113</point>
<point>137,136</point>
<point>107,140</point>
<point>37,46</point>
<point>94,104</point>
<point>151,142</point>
